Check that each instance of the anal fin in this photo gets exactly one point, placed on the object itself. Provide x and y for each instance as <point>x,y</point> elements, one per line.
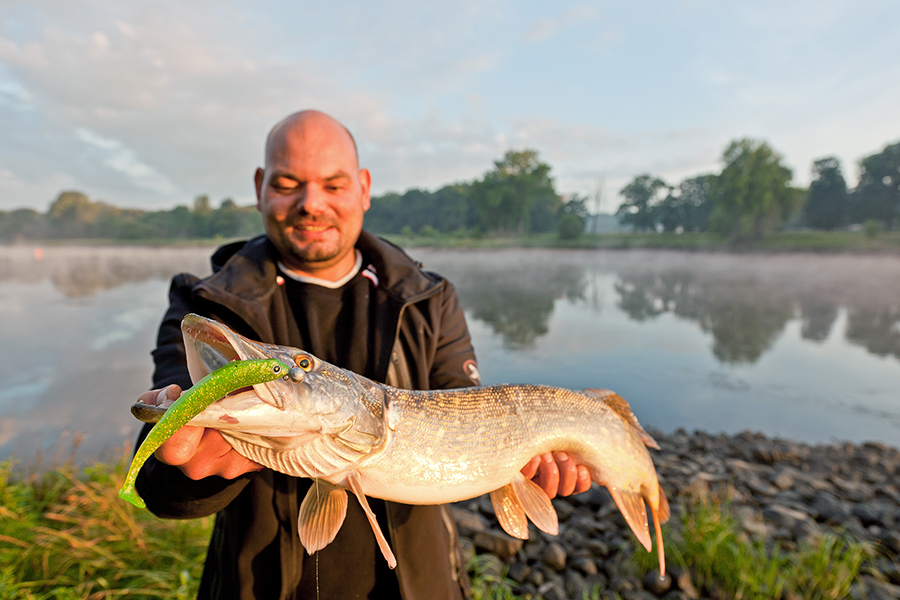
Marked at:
<point>356,485</point>
<point>631,504</point>
<point>322,513</point>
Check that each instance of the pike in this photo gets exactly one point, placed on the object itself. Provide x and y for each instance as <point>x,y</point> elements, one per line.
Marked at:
<point>419,447</point>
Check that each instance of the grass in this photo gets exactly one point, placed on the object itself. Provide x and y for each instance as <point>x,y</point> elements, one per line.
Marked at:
<point>66,534</point>
<point>707,541</point>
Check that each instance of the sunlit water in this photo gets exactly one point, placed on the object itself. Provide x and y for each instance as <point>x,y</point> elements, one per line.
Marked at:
<point>799,346</point>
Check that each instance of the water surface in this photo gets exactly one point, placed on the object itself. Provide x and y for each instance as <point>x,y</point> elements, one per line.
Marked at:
<point>799,346</point>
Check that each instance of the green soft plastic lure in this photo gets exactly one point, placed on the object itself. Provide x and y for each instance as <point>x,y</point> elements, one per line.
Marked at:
<point>223,380</point>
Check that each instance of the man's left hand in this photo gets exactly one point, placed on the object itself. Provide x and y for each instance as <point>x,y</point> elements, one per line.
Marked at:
<point>557,474</point>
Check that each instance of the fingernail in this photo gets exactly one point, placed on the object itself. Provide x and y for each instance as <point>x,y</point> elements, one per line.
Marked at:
<point>583,474</point>
<point>562,457</point>
<point>548,458</point>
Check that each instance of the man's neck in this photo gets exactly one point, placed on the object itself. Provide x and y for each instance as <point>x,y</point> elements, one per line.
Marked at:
<point>333,277</point>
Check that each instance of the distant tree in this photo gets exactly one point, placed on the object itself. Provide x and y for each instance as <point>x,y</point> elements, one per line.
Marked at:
<point>573,215</point>
<point>689,206</point>
<point>826,203</point>
<point>514,193</point>
<point>74,215</point>
<point>751,195</point>
<point>878,194</point>
<point>22,224</point>
<point>642,197</point>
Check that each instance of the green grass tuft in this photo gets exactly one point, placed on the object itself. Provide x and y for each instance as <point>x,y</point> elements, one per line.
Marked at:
<point>707,541</point>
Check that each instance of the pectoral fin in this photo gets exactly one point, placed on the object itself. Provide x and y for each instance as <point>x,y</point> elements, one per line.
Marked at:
<point>631,504</point>
<point>356,485</point>
<point>322,513</point>
<point>520,498</point>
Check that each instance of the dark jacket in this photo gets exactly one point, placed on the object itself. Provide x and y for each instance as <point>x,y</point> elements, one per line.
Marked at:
<point>420,341</point>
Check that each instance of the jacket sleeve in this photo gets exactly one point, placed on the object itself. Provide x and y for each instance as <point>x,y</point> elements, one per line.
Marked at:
<point>168,492</point>
<point>454,364</point>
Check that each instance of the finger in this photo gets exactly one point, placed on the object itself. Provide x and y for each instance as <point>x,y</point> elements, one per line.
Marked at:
<point>548,475</point>
<point>584,480</point>
<point>180,447</point>
<point>568,474</point>
<point>531,468</point>
<point>215,456</point>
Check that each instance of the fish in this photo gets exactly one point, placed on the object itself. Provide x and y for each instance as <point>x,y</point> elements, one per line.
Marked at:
<point>232,376</point>
<point>350,433</point>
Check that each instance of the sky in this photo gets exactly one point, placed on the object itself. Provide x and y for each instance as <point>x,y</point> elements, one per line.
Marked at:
<point>149,104</point>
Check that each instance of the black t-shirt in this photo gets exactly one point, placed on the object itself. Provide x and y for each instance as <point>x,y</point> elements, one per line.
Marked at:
<point>335,326</point>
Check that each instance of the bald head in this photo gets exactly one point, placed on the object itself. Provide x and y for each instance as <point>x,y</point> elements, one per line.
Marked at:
<point>308,122</point>
<point>312,194</point>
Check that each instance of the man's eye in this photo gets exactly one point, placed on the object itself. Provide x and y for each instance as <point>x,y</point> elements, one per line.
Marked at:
<point>282,184</point>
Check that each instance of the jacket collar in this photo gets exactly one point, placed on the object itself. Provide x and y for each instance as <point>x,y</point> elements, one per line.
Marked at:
<point>246,271</point>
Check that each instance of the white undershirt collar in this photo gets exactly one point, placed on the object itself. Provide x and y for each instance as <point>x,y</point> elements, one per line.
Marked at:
<point>324,282</point>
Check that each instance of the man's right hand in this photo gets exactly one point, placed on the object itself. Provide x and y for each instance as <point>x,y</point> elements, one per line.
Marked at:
<point>199,452</point>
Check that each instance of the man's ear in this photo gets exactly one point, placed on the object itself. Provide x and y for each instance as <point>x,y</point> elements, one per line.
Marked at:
<point>365,182</point>
<point>258,179</point>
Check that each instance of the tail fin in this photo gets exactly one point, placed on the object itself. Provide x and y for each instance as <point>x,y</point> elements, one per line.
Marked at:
<point>620,406</point>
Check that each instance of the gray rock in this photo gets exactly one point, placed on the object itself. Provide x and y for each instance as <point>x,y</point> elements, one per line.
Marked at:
<point>828,508</point>
<point>782,516</point>
<point>576,585</point>
<point>554,556</point>
<point>586,565</point>
<point>867,515</point>
<point>497,543</point>
<point>652,582</point>
<point>551,591</point>
<point>518,572</point>
<point>467,521</point>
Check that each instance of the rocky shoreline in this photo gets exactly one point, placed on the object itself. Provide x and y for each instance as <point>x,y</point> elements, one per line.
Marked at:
<point>781,491</point>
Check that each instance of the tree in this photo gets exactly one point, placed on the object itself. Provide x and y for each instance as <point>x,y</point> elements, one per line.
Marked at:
<point>515,193</point>
<point>689,206</point>
<point>826,203</point>
<point>751,195</point>
<point>642,196</point>
<point>878,194</point>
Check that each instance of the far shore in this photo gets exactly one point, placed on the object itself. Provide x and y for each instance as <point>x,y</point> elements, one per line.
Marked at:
<point>825,242</point>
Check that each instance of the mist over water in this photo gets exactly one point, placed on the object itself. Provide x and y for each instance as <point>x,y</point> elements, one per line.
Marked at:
<point>800,346</point>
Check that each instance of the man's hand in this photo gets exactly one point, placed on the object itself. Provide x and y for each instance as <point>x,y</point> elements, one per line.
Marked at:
<point>557,474</point>
<point>199,452</point>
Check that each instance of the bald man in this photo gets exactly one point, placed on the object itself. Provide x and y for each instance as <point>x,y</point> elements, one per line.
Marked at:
<point>317,281</point>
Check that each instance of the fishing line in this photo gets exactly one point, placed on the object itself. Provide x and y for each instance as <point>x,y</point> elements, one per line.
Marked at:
<point>317,552</point>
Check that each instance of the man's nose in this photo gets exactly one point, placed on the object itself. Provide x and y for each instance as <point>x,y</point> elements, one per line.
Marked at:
<point>314,200</point>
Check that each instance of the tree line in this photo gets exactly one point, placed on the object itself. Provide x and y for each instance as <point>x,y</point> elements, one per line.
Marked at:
<point>75,216</point>
<point>751,196</point>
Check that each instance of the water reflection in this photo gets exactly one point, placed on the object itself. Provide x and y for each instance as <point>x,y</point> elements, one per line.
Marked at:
<point>711,341</point>
<point>518,300</point>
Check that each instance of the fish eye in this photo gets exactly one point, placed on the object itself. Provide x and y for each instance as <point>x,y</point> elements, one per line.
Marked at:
<point>304,363</point>
<point>276,369</point>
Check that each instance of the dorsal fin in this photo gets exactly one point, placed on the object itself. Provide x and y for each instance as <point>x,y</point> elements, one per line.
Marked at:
<point>620,406</point>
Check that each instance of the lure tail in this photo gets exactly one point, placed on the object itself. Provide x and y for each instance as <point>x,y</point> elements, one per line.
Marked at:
<point>192,402</point>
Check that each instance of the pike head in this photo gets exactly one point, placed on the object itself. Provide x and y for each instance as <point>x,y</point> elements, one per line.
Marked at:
<point>315,400</point>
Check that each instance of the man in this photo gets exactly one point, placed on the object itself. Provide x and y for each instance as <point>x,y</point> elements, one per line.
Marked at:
<point>317,281</point>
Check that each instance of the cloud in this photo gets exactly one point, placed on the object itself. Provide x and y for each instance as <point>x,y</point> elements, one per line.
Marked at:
<point>546,28</point>
<point>123,160</point>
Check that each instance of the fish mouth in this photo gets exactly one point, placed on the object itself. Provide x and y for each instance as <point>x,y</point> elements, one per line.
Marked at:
<point>209,345</point>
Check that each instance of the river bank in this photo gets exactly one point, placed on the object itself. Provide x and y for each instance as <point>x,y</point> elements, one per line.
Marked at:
<point>826,242</point>
<point>781,495</point>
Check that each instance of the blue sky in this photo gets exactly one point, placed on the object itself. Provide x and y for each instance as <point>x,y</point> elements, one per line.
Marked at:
<point>147,104</point>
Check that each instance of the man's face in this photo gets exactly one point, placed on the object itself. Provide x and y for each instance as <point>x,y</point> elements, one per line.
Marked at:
<point>312,195</point>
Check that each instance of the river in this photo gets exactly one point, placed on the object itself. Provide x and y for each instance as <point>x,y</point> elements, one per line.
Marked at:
<point>800,346</point>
